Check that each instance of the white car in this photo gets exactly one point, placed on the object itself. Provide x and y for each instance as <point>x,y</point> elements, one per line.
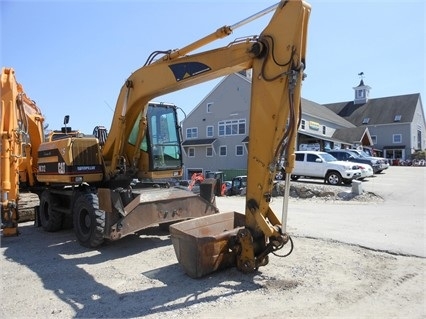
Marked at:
<point>314,164</point>
<point>366,170</point>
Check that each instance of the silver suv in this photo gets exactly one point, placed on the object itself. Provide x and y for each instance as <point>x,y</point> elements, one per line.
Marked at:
<point>322,165</point>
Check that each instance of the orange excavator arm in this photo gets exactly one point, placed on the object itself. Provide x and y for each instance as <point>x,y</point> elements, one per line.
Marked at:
<point>21,129</point>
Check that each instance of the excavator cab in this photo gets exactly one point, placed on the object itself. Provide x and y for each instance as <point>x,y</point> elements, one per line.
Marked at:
<point>160,147</point>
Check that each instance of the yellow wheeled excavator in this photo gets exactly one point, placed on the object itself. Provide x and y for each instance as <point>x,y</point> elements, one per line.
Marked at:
<point>21,128</point>
<point>92,183</point>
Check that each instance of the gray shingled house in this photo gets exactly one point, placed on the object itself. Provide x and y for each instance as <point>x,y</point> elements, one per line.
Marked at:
<point>215,133</point>
<point>396,123</point>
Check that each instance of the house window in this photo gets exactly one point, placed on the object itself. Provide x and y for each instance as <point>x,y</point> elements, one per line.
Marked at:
<point>374,139</point>
<point>232,127</point>
<point>397,118</point>
<point>302,124</point>
<point>397,138</point>
<point>209,151</point>
<point>239,150</point>
<point>222,151</point>
<point>191,152</point>
<point>366,120</point>
<point>192,132</point>
<point>209,131</point>
<point>324,129</point>
<point>419,139</point>
<point>209,107</point>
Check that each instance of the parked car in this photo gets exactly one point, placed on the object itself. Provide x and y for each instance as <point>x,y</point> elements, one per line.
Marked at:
<point>314,164</point>
<point>366,171</point>
<point>346,155</point>
<point>383,162</point>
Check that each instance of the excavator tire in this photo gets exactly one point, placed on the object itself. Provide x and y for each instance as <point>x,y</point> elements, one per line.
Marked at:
<point>50,219</point>
<point>67,222</point>
<point>89,220</point>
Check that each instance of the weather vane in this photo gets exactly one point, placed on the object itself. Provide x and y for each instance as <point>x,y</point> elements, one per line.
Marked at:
<point>361,75</point>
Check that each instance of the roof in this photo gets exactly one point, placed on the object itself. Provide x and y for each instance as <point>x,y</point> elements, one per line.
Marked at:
<point>323,137</point>
<point>199,142</point>
<point>353,134</point>
<point>321,112</point>
<point>378,111</point>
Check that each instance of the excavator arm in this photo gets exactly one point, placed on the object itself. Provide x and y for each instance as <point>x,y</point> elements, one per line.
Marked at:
<point>277,60</point>
<point>21,128</point>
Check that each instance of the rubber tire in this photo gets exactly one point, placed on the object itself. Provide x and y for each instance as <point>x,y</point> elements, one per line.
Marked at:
<point>333,178</point>
<point>294,177</point>
<point>89,220</point>
<point>67,222</point>
<point>50,219</point>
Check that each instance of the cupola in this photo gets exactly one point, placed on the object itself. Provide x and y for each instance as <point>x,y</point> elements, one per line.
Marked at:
<point>362,91</point>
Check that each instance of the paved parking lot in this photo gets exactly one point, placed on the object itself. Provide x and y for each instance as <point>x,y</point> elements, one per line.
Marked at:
<point>396,225</point>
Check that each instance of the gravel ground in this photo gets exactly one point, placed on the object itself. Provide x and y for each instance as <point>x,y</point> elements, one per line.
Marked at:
<point>50,275</point>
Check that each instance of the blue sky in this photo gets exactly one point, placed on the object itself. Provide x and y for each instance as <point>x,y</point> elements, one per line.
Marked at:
<point>72,57</point>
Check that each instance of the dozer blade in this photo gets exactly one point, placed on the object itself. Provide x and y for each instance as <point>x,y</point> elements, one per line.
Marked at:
<point>202,244</point>
<point>150,207</point>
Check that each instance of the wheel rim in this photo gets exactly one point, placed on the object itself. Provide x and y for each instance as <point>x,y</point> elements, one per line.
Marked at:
<point>333,179</point>
<point>84,222</point>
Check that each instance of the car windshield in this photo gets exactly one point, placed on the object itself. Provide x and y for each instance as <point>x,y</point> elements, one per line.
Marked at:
<point>364,154</point>
<point>355,155</point>
<point>328,157</point>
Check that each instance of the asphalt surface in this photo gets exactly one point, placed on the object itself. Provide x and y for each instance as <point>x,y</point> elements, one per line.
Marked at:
<point>396,225</point>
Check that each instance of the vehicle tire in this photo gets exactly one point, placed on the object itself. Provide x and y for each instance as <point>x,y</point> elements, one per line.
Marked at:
<point>333,178</point>
<point>294,177</point>
<point>89,220</point>
<point>50,219</point>
<point>67,221</point>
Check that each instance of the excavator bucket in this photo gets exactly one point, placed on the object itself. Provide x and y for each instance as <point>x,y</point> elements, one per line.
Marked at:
<point>202,244</point>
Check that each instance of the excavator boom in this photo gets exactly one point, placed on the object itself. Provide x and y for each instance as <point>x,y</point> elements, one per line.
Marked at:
<point>21,129</point>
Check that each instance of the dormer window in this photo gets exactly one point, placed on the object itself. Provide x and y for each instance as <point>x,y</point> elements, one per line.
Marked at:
<point>366,120</point>
<point>397,118</point>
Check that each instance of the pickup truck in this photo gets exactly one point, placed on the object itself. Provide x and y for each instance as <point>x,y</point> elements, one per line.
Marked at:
<point>321,165</point>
